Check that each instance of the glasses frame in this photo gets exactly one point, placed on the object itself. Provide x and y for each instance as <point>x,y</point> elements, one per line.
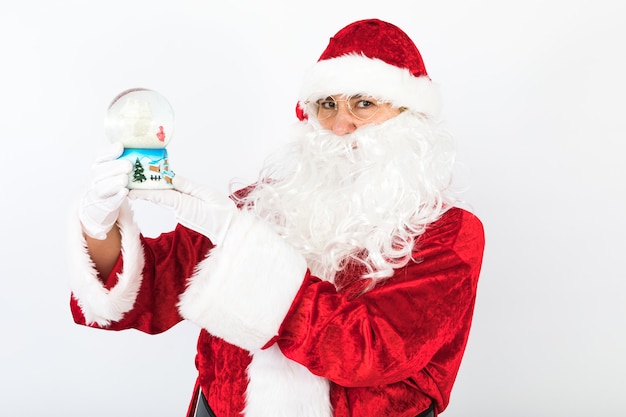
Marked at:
<point>314,106</point>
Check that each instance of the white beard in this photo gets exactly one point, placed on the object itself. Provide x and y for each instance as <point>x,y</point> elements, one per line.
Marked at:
<point>361,197</point>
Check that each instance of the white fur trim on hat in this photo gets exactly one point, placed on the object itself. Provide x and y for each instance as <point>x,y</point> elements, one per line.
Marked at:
<point>357,74</point>
<point>99,304</point>
<point>243,290</point>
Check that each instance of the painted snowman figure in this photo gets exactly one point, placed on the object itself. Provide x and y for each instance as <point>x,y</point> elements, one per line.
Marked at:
<point>143,121</point>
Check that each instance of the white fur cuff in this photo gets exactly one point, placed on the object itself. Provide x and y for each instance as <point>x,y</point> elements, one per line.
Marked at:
<point>98,304</point>
<point>243,290</point>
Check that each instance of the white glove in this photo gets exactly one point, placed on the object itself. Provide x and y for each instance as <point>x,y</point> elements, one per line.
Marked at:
<point>195,206</point>
<point>100,205</point>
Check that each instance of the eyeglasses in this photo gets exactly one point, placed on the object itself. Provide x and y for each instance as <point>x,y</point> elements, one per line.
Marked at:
<point>361,107</point>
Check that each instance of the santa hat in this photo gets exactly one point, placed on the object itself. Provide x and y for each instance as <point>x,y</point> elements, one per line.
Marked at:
<point>373,58</point>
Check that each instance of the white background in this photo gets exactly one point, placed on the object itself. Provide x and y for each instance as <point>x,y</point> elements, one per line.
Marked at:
<point>534,92</point>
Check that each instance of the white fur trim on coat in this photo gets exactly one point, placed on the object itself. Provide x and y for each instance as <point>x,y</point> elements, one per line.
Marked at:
<point>98,304</point>
<point>280,387</point>
<point>357,74</point>
<point>243,290</point>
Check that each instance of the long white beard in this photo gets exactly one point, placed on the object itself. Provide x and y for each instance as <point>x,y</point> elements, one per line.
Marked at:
<point>361,197</point>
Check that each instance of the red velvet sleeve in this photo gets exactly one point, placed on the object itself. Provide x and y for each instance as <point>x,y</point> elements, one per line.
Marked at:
<point>412,325</point>
<point>170,260</point>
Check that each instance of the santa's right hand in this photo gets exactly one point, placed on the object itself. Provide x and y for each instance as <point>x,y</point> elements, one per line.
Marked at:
<point>100,205</point>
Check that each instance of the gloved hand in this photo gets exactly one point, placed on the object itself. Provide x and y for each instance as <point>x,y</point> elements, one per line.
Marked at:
<point>100,205</point>
<point>195,206</point>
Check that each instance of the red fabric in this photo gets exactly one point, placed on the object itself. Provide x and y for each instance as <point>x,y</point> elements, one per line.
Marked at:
<point>163,280</point>
<point>377,39</point>
<point>393,349</point>
<point>389,352</point>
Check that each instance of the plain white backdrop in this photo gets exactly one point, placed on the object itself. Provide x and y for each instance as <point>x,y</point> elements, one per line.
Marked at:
<point>534,92</point>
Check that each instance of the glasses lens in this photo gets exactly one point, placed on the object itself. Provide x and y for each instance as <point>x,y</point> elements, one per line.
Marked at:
<point>363,107</point>
<point>325,108</point>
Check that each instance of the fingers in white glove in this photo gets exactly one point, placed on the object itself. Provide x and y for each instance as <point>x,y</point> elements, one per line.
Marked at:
<point>166,198</point>
<point>195,206</point>
<point>100,205</point>
<point>110,177</point>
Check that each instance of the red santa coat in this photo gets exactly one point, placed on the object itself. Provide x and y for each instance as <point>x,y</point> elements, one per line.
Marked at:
<point>278,341</point>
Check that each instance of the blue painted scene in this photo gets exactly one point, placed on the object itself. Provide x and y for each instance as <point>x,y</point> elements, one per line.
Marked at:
<point>151,168</point>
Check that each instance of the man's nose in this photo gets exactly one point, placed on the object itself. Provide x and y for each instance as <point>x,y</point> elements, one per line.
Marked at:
<point>343,121</point>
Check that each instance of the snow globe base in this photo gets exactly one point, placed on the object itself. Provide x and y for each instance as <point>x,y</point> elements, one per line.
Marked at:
<point>151,170</point>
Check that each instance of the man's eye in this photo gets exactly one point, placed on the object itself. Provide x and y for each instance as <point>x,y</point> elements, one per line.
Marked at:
<point>364,103</point>
<point>327,104</point>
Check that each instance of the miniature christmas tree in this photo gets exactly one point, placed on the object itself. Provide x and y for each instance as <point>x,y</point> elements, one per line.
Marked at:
<point>138,172</point>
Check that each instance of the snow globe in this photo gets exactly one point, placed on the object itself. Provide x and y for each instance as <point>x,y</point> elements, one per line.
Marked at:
<point>143,121</point>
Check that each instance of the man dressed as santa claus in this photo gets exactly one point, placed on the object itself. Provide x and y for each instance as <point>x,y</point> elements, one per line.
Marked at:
<point>341,284</point>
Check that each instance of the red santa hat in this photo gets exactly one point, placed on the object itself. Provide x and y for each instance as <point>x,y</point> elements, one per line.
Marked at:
<point>373,58</point>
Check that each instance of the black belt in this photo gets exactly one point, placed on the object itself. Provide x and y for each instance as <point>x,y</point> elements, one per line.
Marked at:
<point>203,409</point>
<point>430,412</point>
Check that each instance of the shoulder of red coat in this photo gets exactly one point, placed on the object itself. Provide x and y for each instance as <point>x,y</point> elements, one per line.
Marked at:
<point>456,226</point>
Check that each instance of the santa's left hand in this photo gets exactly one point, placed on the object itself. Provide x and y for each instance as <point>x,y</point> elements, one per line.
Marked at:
<point>195,206</point>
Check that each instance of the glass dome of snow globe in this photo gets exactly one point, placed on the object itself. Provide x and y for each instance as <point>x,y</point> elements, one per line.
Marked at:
<point>140,118</point>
